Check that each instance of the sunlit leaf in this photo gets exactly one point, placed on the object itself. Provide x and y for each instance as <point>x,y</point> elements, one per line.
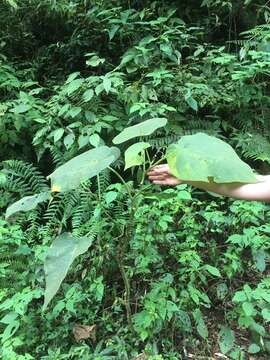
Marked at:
<point>143,129</point>
<point>82,167</point>
<point>204,158</point>
<point>65,248</point>
<point>133,155</point>
<point>212,270</point>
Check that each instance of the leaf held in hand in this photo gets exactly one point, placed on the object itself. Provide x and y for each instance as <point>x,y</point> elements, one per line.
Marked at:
<point>203,158</point>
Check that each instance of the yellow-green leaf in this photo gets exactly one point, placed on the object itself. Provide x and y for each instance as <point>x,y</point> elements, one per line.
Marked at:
<point>133,155</point>
<point>201,157</point>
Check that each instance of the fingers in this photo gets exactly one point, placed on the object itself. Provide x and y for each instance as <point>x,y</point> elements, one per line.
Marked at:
<point>160,182</point>
<point>167,182</point>
<point>159,169</point>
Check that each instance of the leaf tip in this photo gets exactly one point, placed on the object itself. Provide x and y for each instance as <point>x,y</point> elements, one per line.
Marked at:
<point>56,188</point>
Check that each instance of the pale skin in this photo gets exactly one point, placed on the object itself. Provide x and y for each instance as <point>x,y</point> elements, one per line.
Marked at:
<point>260,191</point>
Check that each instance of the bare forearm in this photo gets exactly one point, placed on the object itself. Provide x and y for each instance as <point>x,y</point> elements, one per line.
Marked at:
<point>258,192</point>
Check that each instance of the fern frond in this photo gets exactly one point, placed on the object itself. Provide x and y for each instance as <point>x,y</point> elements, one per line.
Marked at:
<point>253,146</point>
<point>57,156</point>
<point>23,178</point>
<point>84,210</point>
<point>33,225</point>
<point>104,179</point>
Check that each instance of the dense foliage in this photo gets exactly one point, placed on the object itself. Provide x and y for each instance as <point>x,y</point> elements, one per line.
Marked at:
<point>162,274</point>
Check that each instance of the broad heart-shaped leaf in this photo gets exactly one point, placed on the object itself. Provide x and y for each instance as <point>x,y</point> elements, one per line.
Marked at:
<point>143,129</point>
<point>133,156</point>
<point>82,167</point>
<point>201,157</point>
<point>65,248</point>
<point>27,203</point>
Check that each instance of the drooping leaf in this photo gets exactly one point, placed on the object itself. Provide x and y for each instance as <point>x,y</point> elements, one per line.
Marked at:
<point>226,339</point>
<point>201,157</point>
<point>133,155</point>
<point>192,102</point>
<point>143,129</point>
<point>222,291</point>
<point>27,203</point>
<point>65,248</point>
<point>82,167</point>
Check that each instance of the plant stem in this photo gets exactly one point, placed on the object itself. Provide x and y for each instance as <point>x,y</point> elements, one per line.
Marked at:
<point>99,192</point>
<point>122,180</point>
<point>127,290</point>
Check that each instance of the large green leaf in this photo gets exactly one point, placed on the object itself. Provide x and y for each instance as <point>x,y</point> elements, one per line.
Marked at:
<point>82,167</point>
<point>143,129</point>
<point>65,248</point>
<point>27,203</point>
<point>203,158</point>
<point>133,155</point>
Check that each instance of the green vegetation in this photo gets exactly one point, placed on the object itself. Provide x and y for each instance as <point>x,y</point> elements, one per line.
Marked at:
<point>95,262</point>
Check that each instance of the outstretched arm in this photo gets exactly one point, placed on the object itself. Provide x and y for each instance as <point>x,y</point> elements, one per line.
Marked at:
<point>257,192</point>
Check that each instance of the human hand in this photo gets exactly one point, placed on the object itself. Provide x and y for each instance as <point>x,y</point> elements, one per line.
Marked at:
<point>161,175</point>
